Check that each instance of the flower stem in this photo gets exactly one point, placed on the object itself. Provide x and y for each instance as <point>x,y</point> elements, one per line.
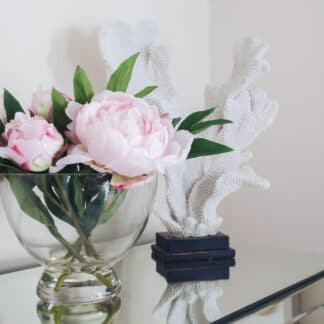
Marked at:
<point>114,307</point>
<point>87,244</point>
<point>105,281</point>
<point>60,281</point>
<point>109,318</point>
<point>77,245</point>
<point>58,315</point>
<point>66,244</point>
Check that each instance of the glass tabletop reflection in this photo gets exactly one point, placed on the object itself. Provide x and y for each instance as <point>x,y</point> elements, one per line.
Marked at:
<point>259,291</point>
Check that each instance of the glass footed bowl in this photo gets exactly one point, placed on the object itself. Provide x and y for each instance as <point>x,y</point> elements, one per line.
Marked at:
<point>77,226</point>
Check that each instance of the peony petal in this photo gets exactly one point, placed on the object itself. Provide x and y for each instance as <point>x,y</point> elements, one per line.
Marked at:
<point>121,182</point>
<point>72,109</point>
<point>76,154</point>
<point>39,164</point>
<point>184,139</point>
<point>4,152</point>
<point>51,141</point>
<point>86,117</point>
<point>112,145</point>
<point>130,168</point>
<point>99,168</point>
<point>177,150</point>
<point>35,128</point>
<point>28,149</point>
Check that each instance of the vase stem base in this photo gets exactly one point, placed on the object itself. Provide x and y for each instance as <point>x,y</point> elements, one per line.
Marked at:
<point>71,288</point>
<point>102,312</point>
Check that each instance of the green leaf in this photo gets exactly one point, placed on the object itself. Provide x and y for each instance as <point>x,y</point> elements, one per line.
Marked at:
<point>59,116</point>
<point>92,212</point>
<point>203,147</point>
<point>119,80</point>
<point>47,185</point>
<point>28,201</point>
<point>176,121</point>
<point>201,126</point>
<point>76,195</point>
<point>92,186</point>
<point>2,127</point>
<point>195,118</point>
<point>7,166</point>
<point>83,91</point>
<point>115,201</point>
<point>11,105</point>
<point>143,93</point>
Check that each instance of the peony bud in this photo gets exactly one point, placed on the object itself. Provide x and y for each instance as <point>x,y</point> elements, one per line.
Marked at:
<point>42,104</point>
<point>32,142</point>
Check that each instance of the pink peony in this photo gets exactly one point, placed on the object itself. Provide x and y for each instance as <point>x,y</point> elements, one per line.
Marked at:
<point>32,142</point>
<point>124,135</point>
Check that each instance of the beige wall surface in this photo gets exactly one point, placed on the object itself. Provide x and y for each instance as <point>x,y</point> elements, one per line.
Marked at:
<point>43,41</point>
<point>291,153</point>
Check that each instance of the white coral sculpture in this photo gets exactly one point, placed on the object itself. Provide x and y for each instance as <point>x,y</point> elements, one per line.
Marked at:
<point>190,302</point>
<point>194,190</point>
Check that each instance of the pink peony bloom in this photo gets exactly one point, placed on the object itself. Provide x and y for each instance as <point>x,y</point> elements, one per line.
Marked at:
<point>32,142</point>
<point>124,135</point>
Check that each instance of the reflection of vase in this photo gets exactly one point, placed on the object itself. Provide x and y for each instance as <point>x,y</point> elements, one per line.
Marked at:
<point>78,226</point>
<point>96,313</point>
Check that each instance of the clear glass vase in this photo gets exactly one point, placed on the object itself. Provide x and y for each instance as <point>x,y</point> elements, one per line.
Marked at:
<point>78,226</point>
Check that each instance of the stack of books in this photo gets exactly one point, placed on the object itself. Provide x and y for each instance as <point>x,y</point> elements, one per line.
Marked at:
<point>193,259</point>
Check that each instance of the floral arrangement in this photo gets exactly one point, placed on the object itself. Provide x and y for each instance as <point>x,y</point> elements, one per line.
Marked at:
<point>114,135</point>
<point>136,141</point>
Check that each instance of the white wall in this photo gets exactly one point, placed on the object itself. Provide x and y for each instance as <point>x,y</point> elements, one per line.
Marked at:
<point>43,41</point>
<point>291,153</point>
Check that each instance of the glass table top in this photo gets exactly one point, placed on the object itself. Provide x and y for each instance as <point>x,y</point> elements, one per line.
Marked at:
<point>262,281</point>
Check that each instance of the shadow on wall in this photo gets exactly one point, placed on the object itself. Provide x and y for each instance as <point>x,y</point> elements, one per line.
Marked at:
<point>71,47</point>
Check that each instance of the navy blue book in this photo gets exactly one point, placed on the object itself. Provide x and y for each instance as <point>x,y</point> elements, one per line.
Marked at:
<point>193,274</point>
<point>210,256</point>
<point>219,263</point>
<point>171,243</point>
